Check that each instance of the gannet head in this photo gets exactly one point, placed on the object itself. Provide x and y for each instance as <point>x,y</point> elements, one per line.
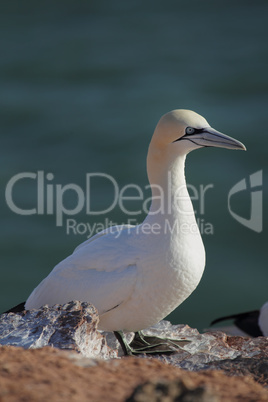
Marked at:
<point>187,130</point>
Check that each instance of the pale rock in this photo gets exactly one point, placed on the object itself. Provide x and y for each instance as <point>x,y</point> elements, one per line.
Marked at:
<point>72,326</point>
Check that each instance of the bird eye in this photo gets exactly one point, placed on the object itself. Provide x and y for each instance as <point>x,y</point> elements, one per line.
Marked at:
<point>189,130</point>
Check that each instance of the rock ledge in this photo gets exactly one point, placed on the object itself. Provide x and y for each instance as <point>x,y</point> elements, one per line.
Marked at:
<point>75,362</point>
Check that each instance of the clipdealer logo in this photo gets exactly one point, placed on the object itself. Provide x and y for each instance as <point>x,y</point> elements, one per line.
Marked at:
<point>254,190</point>
<point>51,200</point>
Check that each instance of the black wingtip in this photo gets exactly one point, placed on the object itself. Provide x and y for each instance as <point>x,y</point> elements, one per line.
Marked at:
<point>239,316</point>
<point>247,322</point>
<point>228,317</point>
<point>17,309</point>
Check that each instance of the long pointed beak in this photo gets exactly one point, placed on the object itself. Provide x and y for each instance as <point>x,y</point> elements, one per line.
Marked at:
<point>212,138</point>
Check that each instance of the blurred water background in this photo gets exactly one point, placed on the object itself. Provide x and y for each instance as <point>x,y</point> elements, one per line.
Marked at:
<point>83,85</point>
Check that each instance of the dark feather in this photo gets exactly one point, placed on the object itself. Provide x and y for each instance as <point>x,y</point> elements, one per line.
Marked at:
<point>247,322</point>
<point>17,309</point>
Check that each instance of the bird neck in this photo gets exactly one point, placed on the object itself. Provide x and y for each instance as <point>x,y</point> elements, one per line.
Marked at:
<point>170,198</point>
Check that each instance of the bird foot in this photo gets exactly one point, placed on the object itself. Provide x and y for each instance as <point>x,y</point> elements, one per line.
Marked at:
<point>150,344</point>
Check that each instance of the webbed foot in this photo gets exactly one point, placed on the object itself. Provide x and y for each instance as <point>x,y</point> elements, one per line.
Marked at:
<point>149,344</point>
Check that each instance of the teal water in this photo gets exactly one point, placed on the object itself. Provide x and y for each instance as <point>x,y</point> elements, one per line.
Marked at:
<point>83,85</point>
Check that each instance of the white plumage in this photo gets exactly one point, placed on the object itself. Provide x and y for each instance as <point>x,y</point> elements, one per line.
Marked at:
<point>263,319</point>
<point>135,278</point>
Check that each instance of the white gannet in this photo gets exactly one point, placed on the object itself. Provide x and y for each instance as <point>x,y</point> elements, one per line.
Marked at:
<point>263,319</point>
<point>138,277</point>
<point>253,323</point>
